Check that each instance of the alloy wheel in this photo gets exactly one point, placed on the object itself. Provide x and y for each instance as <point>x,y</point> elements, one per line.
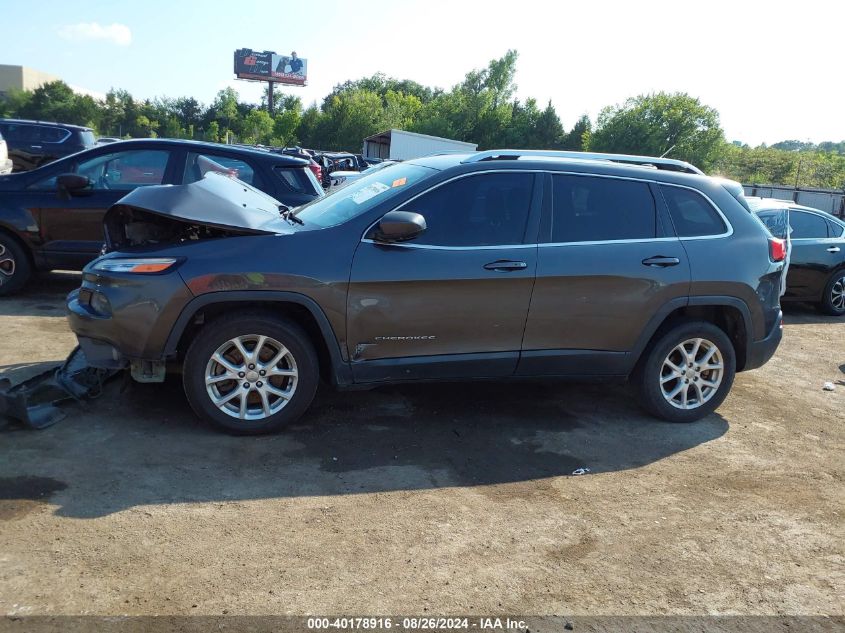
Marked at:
<point>251,377</point>
<point>691,373</point>
<point>7,264</point>
<point>837,294</point>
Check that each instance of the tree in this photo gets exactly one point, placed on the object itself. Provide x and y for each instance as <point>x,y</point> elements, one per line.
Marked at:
<point>578,138</point>
<point>212,133</point>
<point>400,110</point>
<point>548,131</point>
<point>661,123</point>
<point>348,119</point>
<point>258,127</point>
<point>284,128</point>
<point>308,127</point>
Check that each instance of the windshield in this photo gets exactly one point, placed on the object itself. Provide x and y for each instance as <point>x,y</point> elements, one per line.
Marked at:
<point>362,195</point>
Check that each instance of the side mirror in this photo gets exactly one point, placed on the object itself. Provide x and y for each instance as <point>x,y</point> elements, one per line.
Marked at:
<point>398,226</point>
<point>71,184</point>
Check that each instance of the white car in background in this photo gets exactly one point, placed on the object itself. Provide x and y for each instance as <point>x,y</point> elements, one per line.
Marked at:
<point>5,161</point>
<point>340,178</point>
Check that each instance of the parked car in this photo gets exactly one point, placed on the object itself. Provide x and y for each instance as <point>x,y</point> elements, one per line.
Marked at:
<point>105,140</point>
<point>817,259</point>
<point>334,161</point>
<point>36,143</point>
<point>313,165</point>
<point>339,178</point>
<point>488,265</point>
<point>5,161</point>
<point>52,217</point>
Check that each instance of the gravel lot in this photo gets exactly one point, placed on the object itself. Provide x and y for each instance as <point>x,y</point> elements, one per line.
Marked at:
<point>438,499</point>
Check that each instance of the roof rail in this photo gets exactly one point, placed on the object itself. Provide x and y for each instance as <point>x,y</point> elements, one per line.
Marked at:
<point>668,164</point>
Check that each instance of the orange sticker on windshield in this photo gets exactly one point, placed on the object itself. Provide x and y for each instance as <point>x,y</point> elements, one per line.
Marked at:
<point>399,182</point>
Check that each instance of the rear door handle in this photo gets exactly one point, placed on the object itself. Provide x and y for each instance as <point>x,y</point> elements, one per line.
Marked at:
<point>661,261</point>
<point>506,265</point>
<point>833,249</point>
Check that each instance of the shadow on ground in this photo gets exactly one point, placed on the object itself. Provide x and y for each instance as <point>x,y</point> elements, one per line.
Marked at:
<point>144,446</point>
<point>43,295</point>
<point>806,314</point>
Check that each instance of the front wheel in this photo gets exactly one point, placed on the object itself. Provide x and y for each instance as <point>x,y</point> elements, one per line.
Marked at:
<point>251,373</point>
<point>687,373</point>
<point>15,268</point>
<point>833,302</point>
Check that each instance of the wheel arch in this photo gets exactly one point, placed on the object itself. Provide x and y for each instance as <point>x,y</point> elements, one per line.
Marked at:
<point>299,308</point>
<point>20,241</point>
<point>730,314</point>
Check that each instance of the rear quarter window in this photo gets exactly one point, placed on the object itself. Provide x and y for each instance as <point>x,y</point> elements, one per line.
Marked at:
<point>692,214</point>
<point>51,134</point>
<point>294,179</point>
<point>87,139</point>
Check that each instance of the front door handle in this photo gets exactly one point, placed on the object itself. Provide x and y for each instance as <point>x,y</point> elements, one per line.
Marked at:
<point>661,261</point>
<point>506,265</point>
<point>833,249</point>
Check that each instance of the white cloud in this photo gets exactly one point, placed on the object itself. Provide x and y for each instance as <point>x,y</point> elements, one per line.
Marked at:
<point>115,33</point>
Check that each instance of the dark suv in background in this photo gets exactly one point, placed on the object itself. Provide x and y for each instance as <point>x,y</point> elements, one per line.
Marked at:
<point>52,217</point>
<point>817,252</point>
<point>32,144</point>
<point>493,265</point>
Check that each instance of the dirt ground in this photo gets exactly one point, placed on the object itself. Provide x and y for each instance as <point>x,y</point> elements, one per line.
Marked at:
<point>432,499</point>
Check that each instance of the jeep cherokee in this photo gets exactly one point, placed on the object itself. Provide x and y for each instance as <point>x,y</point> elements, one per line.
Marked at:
<point>492,265</point>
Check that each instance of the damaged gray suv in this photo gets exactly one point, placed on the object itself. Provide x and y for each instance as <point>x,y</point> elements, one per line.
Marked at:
<point>493,265</point>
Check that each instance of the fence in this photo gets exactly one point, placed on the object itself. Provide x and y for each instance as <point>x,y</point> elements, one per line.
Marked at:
<point>830,200</point>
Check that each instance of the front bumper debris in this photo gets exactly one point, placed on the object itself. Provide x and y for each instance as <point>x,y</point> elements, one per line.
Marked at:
<point>35,402</point>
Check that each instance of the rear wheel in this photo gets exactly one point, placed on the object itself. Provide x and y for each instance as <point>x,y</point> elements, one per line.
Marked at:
<point>687,373</point>
<point>833,302</point>
<point>15,268</point>
<point>250,374</point>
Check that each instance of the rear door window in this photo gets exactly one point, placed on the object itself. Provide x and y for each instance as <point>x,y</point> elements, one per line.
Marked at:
<point>198,165</point>
<point>806,226</point>
<point>124,171</point>
<point>692,214</point>
<point>588,209</point>
<point>835,230</point>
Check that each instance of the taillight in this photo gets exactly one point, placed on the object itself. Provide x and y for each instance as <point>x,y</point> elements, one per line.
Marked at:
<point>777,249</point>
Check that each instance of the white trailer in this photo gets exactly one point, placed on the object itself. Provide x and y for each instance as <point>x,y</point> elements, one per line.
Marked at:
<point>402,145</point>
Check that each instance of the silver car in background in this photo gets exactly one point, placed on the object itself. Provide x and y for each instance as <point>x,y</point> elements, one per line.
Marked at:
<point>340,178</point>
<point>5,161</point>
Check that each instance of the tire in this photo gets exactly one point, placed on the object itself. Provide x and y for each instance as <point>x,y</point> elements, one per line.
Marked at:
<point>253,413</point>
<point>15,268</point>
<point>653,371</point>
<point>833,300</point>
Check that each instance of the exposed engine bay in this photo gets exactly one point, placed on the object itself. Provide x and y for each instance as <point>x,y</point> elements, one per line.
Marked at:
<point>214,207</point>
<point>127,227</point>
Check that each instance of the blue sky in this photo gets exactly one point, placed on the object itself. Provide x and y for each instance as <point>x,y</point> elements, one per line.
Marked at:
<point>772,69</point>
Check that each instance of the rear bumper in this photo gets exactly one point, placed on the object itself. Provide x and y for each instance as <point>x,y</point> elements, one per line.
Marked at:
<point>759,352</point>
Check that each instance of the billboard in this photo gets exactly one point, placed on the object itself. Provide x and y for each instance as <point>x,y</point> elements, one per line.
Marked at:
<point>269,66</point>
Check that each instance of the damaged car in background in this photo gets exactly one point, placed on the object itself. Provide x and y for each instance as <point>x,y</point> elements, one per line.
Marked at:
<point>51,218</point>
<point>493,265</point>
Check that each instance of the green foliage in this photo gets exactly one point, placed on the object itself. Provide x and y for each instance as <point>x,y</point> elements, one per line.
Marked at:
<point>258,127</point>
<point>481,109</point>
<point>675,124</point>
<point>767,165</point>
